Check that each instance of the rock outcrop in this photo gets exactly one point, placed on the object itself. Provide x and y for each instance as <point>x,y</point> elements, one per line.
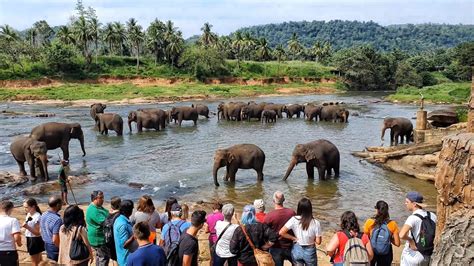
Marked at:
<point>11,180</point>
<point>443,117</point>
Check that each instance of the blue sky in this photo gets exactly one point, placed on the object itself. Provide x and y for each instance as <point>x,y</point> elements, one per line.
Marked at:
<point>228,15</point>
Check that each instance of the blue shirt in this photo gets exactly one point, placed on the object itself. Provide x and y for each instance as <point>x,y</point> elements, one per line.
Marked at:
<point>50,222</point>
<point>147,255</point>
<point>122,232</point>
<point>182,228</point>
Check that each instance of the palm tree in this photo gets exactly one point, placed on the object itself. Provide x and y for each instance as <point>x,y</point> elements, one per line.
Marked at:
<point>294,46</point>
<point>156,39</point>
<point>44,31</point>
<point>120,36</point>
<point>83,36</point>
<point>32,34</point>
<point>109,35</point>
<point>94,29</point>
<point>175,47</point>
<point>65,35</point>
<point>248,45</point>
<point>135,36</point>
<point>263,49</point>
<point>8,33</point>
<point>237,45</point>
<point>279,53</point>
<point>208,38</point>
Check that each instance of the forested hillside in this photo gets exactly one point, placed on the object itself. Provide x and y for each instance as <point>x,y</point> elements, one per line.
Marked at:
<point>345,34</point>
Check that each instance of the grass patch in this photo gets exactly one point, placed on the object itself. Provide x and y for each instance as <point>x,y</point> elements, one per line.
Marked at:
<point>456,92</point>
<point>254,69</point>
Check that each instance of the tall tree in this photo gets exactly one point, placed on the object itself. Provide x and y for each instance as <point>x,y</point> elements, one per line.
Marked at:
<point>135,37</point>
<point>156,39</point>
<point>208,38</point>
<point>94,29</point>
<point>175,47</point>
<point>65,35</point>
<point>279,54</point>
<point>108,36</point>
<point>83,36</point>
<point>8,34</point>
<point>44,32</point>
<point>237,46</point>
<point>263,49</point>
<point>120,36</point>
<point>294,46</point>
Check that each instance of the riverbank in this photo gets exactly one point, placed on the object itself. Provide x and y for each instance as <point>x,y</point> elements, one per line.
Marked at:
<point>444,93</point>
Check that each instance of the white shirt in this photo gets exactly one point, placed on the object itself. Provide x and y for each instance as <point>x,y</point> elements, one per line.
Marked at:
<point>35,220</point>
<point>222,247</point>
<point>8,227</point>
<point>415,223</point>
<point>305,237</point>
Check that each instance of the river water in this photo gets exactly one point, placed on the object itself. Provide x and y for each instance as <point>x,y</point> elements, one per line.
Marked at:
<point>178,161</point>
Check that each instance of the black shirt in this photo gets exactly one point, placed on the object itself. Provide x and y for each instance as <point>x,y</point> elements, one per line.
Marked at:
<point>258,233</point>
<point>188,245</point>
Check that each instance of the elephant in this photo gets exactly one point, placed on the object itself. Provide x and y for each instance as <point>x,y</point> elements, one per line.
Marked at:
<point>278,108</point>
<point>110,121</point>
<point>201,109</point>
<point>312,112</point>
<point>232,110</point>
<point>163,116</point>
<point>334,113</point>
<point>293,109</point>
<point>240,156</point>
<point>319,153</point>
<point>26,149</point>
<point>269,115</point>
<point>57,135</point>
<point>97,108</point>
<point>184,113</point>
<point>399,127</point>
<point>251,111</point>
<point>220,111</point>
<point>146,119</point>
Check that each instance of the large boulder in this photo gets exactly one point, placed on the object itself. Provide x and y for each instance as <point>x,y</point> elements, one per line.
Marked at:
<point>11,180</point>
<point>443,117</point>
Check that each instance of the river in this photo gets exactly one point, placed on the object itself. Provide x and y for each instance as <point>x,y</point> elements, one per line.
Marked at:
<point>178,161</point>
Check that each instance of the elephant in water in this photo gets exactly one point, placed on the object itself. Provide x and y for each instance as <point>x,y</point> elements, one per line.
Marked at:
<point>26,149</point>
<point>270,116</point>
<point>243,156</point>
<point>147,118</point>
<point>110,121</point>
<point>184,113</point>
<point>57,135</point>
<point>334,113</point>
<point>399,127</point>
<point>319,153</point>
<point>201,109</point>
<point>293,109</point>
<point>97,108</point>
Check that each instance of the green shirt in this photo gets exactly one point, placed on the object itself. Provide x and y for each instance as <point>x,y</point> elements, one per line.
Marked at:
<point>95,217</point>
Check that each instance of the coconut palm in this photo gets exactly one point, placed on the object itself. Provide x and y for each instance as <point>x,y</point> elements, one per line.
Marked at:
<point>237,46</point>
<point>83,36</point>
<point>135,37</point>
<point>109,35</point>
<point>65,35</point>
<point>175,47</point>
<point>94,30</point>
<point>248,45</point>
<point>31,35</point>
<point>208,38</point>
<point>263,49</point>
<point>294,46</point>
<point>120,36</point>
<point>156,39</point>
<point>8,33</point>
<point>279,53</point>
<point>44,32</point>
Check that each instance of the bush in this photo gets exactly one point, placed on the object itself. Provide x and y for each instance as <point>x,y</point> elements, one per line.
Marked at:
<point>204,62</point>
<point>61,57</point>
<point>428,79</point>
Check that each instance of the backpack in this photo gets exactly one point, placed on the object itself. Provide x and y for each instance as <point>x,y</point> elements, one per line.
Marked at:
<point>171,245</point>
<point>108,226</point>
<point>355,252</point>
<point>425,243</point>
<point>380,239</point>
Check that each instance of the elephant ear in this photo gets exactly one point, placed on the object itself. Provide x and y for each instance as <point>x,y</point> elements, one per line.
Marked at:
<point>310,155</point>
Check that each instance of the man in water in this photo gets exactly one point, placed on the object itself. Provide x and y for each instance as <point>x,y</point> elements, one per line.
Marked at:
<point>63,180</point>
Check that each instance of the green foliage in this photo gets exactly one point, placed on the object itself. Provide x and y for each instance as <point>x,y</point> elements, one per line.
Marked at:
<point>204,62</point>
<point>462,113</point>
<point>61,57</point>
<point>406,75</point>
<point>441,93</point>
<point>253,69</point>
<point>427,79</point>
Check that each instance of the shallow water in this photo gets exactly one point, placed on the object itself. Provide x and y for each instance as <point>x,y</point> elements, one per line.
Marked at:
<point>178,161</point>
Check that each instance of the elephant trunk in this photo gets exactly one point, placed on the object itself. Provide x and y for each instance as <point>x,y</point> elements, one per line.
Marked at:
<point>130,125</point>
<point>290,168</point>
<point>214,173</point>
<point>383,131</point>
<point>81,140</point>
<point>44,162</point>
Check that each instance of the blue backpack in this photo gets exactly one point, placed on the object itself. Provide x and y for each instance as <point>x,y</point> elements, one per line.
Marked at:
<point>172,243</point>
<point>380,239</point>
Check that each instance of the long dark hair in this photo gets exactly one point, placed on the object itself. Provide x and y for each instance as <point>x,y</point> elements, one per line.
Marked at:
<point>169,202</point>
<point>31,202</point>
<point>305,210</point>
<point>73,216</point>
<point>382,212</point>
<point>349,222</point>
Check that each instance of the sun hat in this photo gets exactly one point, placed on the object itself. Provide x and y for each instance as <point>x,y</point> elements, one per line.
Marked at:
<point>259,204</point>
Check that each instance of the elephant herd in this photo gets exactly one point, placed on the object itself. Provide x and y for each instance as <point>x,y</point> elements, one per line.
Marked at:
<point>321,154</point>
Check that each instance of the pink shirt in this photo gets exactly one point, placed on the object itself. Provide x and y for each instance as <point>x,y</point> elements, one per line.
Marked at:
<point>211,223</point>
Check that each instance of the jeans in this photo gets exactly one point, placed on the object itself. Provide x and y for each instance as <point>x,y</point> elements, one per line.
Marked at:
<point>101,255</point>
<point>280,255</point>
<point>52,252</point>
<point>304,255</point>
<point>218,261</point>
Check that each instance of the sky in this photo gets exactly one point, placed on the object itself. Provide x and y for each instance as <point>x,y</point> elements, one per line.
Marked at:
<point>226,16</point>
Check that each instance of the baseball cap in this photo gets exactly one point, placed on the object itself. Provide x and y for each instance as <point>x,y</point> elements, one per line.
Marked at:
<point>259,204</point>
<point>416,198</point>
<point>176,207</point>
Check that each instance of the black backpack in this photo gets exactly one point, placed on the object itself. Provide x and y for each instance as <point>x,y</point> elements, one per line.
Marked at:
<point>109,229</point>
<point>425,243</point>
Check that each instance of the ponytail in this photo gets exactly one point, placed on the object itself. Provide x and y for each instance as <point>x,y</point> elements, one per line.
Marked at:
<point>31,202</point>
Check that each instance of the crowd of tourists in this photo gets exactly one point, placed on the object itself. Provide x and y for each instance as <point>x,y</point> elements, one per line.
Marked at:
<point>125,235</point>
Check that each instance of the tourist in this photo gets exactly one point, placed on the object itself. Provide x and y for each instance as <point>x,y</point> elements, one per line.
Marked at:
<point>212,219</point>
<point>260,234</point>
<point>276,219</point>
<point>172,231</point>
<point>224,232</point>
<point>147,253</point>
<point>109,228</point>
<point>307,234</point>
<point>412,253</point>
<point>123,232</point>
<point>74,227</point>
<point>165,217</point>
<point>34,242</point>
<point>184,212</point>
<point>50,222</point>
<point>63,180</point>
<point>188,244</point>
<point>382,227</point>
<point>259,210</point>
<point>95,218</point>
<point>349,228</point>
<point>146,213</point>
<point>10,234</point>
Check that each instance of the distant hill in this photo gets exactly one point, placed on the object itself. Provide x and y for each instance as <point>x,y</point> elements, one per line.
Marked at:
<point>343,34</point>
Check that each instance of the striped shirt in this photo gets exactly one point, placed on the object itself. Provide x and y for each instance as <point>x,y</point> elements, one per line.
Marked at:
<point>50,222</point>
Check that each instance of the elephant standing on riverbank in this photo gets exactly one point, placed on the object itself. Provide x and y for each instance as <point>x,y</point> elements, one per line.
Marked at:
<point>57,135</point>
<point>240,156</point>
<point>312,112</point>
<point>201,109</point>
<point>319,153</point>
<point>26,149</point>
<point>270,116</point>
<point>399,127</point>
<point>97,108</point>
<point>184,113</point>
<point>110,121</point>
<point>334,113</point>
<point>293,109</point>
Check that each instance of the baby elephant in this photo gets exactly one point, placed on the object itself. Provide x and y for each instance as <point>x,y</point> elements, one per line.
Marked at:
<point>269,115</point>
<point>243,156</point>
<point>110,121</point>
<point>26,149</point>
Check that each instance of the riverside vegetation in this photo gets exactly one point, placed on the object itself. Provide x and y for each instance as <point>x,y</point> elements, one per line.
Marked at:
<point>85,50</point>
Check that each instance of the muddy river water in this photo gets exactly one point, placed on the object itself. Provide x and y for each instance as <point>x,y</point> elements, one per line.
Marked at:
<point>178,161</point>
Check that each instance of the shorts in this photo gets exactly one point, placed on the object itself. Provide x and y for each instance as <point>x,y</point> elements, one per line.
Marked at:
<point>63,188</point>
<point>35,245</point>
<point>52,252</point>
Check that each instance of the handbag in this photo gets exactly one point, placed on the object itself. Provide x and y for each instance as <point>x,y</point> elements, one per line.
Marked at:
<point>213,247</point>
<point>263,258</point>
<point>78,250</point>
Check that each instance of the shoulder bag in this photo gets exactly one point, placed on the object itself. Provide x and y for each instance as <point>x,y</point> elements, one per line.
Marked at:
<point>78,250</point>
<point>213,247</point>
<point>263,258</point>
